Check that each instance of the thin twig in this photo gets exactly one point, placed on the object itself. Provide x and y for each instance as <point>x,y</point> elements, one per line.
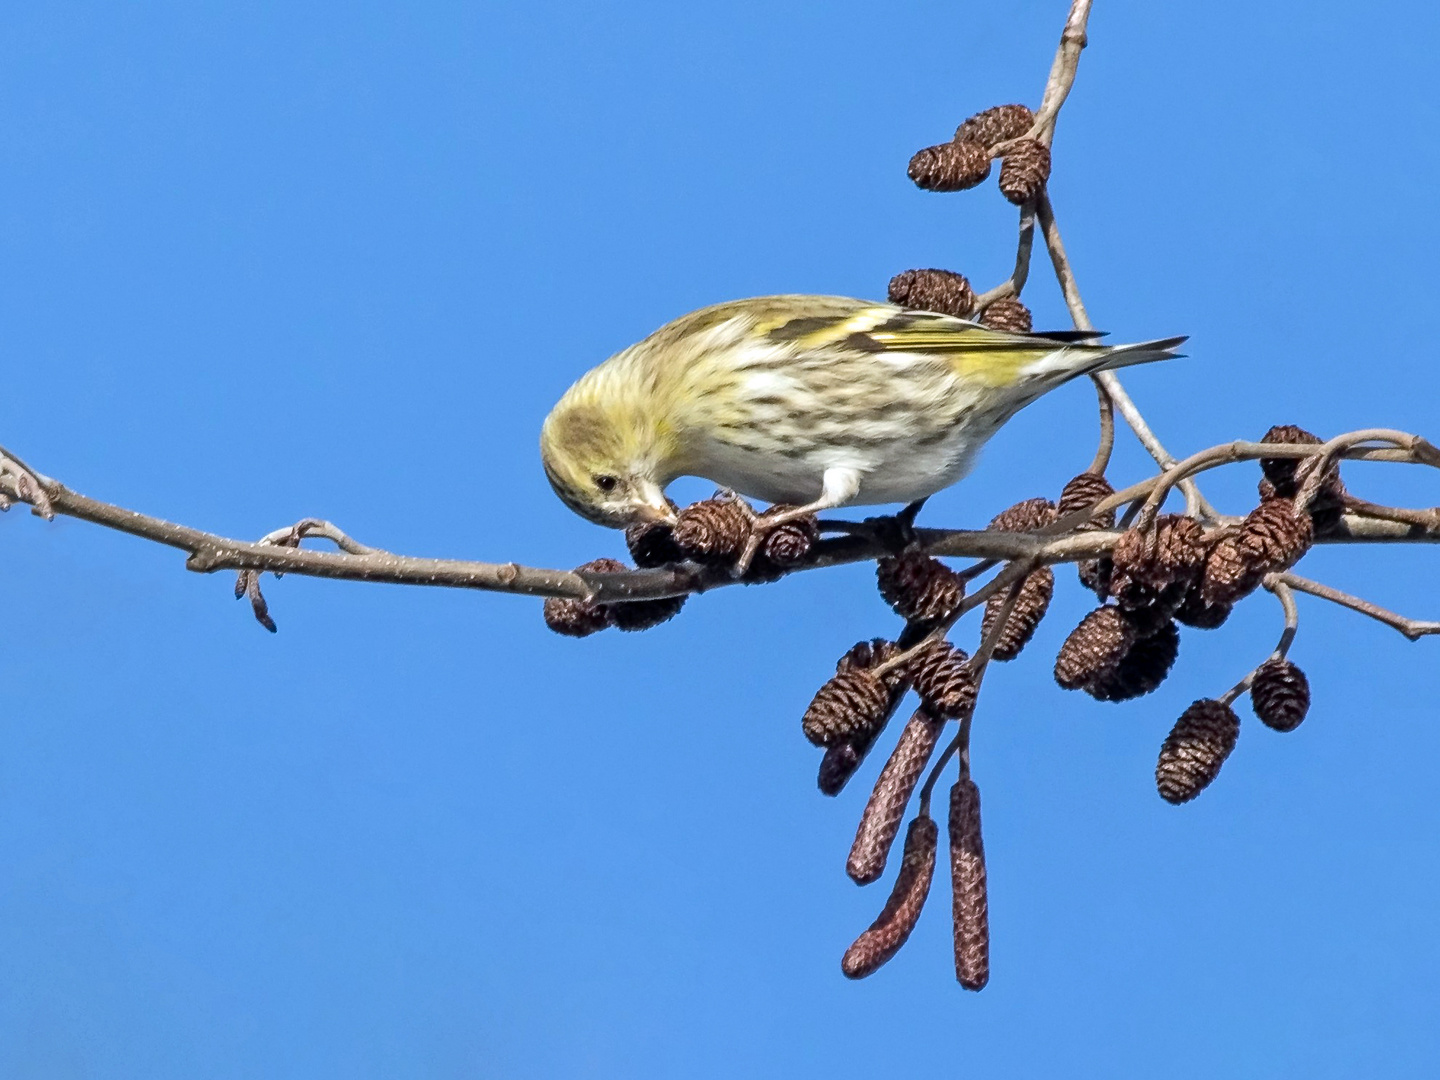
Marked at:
<point>1414,629</point>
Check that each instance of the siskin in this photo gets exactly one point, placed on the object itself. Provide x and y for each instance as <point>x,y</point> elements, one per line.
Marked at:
<point>812,401</point>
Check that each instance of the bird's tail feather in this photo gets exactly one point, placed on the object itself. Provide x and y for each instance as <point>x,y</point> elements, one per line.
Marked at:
<point>1142,352</point>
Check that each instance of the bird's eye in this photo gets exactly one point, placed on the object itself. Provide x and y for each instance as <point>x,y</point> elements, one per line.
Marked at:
<point>607,484</point>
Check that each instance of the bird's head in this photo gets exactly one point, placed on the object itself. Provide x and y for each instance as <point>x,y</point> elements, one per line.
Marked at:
<point>606,461</point>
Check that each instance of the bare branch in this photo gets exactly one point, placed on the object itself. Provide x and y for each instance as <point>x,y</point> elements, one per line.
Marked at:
<point>1414,629</point>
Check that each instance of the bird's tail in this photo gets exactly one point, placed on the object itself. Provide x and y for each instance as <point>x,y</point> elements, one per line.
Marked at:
<point>1142,352</point>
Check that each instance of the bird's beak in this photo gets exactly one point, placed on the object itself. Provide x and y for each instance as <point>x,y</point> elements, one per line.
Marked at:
<point>656,509</point>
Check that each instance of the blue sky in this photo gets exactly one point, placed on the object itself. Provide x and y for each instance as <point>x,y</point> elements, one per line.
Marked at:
<point>267,261</point>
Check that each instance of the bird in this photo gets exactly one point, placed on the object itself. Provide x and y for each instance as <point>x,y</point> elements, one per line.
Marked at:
<point>807,402</point>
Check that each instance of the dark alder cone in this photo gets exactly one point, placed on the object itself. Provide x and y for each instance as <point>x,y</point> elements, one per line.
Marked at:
<point>1280,694</point>
<point>1007,313</point>
<point>1148,563</point>
<point>942,680</point>
<point>952,166</point>
<point>918,587</point>
<point>1195,611</point>
<point>575,618</point>
<point>839,765</point>
<point>849,708</point>
<point>1229,575</point>
<point>864,655</point>
<point>790,544</point>
<point>970,905</point>
<point>944,291</point>
<point>1029,515</point>
<point>1095,647</point>
<point>1274,536</point>
<point>880,822</point>
<point>1024,170</point>
<point>633,615</point>
<point>892,927</point>
<point>1142,669</point>
<point>653,544</point>
<point>1281,471</point>
<point>1198,744</point>
<point>1030,607</point>
<point>714,530</point>
<point>996,125</point>
<point>1080,493</point>
<point>581,618</point>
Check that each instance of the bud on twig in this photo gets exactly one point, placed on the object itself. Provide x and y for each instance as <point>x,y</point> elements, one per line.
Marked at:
<point>1196,747</point>
<point>1024,170</point>
<point>886,809</point>
<point>942,291</point>
<point>952,166</point>
<point>969,904</point>
<point>892,927</point>
<point>1280,694</point>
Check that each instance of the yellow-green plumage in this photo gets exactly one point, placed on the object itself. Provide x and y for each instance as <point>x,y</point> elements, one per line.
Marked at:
<point>799,399</point>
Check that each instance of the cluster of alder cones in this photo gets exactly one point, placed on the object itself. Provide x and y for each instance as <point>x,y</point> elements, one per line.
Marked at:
<point>1162,572</point>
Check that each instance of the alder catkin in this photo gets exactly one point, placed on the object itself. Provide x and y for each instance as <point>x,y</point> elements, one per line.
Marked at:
<point>880,822</point>
<point>969,903</point>
<point>892,927</point>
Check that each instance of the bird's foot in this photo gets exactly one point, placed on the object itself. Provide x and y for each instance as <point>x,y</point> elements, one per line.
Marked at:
<point>785,534</point>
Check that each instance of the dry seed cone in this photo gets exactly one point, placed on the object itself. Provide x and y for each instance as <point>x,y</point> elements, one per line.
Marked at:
<point>1094,648</point>
<point>850,707</point>
<point>939,675</point>
<point>996,125</point>
<point>713,531</point>
<point>1030,607</point>
<point>1142,669</point>
<point>1280,694</point>
<point>920,588</point>
<point>1198,744</point>
<point>1024,170</point>
<point>1008,313</point>
<point>943,291</point>
<point>950,166</point>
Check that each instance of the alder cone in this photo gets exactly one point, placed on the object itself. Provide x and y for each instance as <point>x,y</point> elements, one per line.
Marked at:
<point>1095,647</point>
<point>1198,744</point>
<point>1142,669</point>
<point>653,544</point>
<point>1009,314</point>
<point>633,615</point>
<point>1281,471</point>
<point>850,707</point>
<point>880,822</point>
<point>1024,170</point>
<point>1274,536</point>
<point>970,905</point>
<point>1028,515</point>
<point>892,927</point>
<point>1196,611</point>
<point>942,291</point>
<point>574,618</point>
<point>996,125</point>
<point>581,618</point>
<point>713,530</point>
<point>1030,607</point>
<point>1229,574</point>
<point>918,587</point>
<point>789,545</point>
<point>952,166</point>
<point>1147,563</point>
<point>942,680</point>
<point>1280,694</point>
<point>1080,493</point>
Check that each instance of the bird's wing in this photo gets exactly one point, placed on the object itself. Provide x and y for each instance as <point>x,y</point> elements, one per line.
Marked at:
<point>993,356</point>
